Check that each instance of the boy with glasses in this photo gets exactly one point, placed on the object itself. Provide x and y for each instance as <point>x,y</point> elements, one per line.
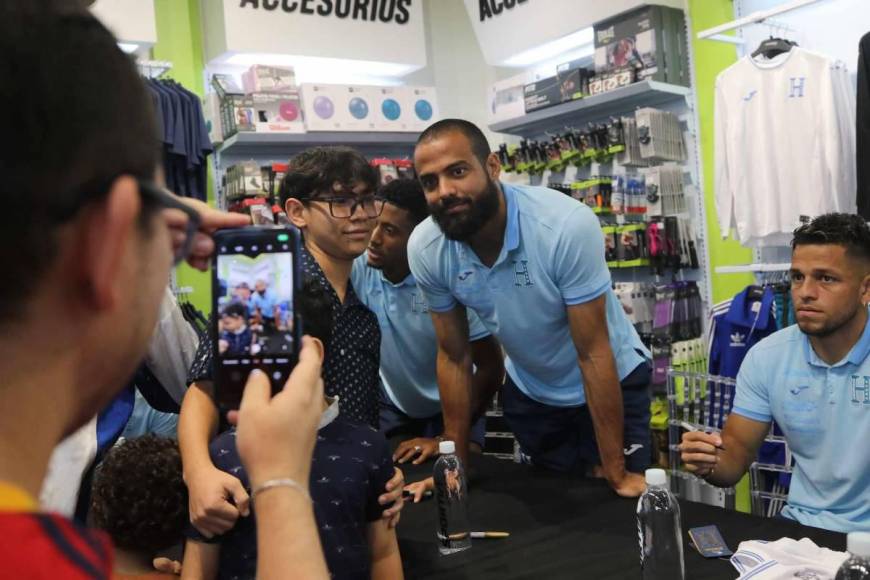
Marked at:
<point>329,195</point>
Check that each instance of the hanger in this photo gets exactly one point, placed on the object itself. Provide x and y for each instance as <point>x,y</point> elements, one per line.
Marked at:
<point>774,46</point>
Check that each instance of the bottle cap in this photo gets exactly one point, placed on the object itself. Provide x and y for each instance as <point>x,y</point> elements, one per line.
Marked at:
<point>656,477</point>
<point>858,543</point>
<point>447,448</point>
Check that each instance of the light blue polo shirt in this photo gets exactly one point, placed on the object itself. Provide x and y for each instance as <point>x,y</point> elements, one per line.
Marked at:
<point>824,413</point>
<point>409,348</point>
<point>265,302</point>
<point>552,257</point>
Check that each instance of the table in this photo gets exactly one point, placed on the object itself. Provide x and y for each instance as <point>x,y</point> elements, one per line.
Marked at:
<point>566,526</point>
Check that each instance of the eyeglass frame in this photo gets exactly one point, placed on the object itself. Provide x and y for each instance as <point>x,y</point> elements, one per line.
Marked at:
<point>150,193</point>
<point>358,202</point>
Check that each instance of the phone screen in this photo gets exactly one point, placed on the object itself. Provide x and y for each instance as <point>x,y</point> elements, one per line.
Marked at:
<point>256,274</point>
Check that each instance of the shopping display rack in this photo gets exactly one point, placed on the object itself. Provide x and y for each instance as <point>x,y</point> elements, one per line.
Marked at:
<point>702,402</point>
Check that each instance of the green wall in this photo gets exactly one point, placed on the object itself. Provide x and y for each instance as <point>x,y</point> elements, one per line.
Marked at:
<point>711,58</point>
<point>179,35</point>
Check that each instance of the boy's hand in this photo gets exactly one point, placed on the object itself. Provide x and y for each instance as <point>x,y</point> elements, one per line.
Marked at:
<point>419,449</point>
<point>211,511</point>
<point>276,435</point>
<point>394,496</point>
<point>418,488</point>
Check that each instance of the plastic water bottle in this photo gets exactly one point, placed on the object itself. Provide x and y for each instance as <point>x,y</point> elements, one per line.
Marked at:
<point>659,530</point>
<point>857,566</point>
<point>451,491</point>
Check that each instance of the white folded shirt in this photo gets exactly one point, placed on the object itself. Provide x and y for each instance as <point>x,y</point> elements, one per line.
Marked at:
<point>786,559</point>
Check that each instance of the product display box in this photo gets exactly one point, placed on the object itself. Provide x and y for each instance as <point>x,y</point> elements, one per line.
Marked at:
<point>269,79</point>
<point>507,97</point>
<point>393,109</point>
<point>423,103</point>
<point>320,107</point>
<point>211,110</point>
<point>262,113</point>
<point>651,39</point>
<point>574,79</point>
<point>542,94</point>
<point>356,108</point>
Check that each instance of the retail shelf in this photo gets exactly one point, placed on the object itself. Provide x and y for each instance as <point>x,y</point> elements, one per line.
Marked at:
<point>285,145</point>
<point>753,268</point>
<point>576,113</point>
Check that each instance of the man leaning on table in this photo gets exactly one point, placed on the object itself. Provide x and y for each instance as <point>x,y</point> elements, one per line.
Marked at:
<point>813,379</point>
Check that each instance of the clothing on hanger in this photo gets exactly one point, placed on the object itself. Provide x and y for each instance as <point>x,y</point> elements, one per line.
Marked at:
<point>785,145</point>
<point>186,144</point>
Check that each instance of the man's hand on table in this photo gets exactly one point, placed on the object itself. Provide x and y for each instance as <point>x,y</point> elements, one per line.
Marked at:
<point>418,488</point>
<point>419,449</point>
<point>626,484</point>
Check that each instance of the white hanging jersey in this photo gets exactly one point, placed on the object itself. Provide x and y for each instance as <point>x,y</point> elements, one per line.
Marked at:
<point>785,145</point>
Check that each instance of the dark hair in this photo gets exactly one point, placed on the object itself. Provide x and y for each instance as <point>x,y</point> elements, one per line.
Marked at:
<point>407,194</point>
<point>840,229</point>
<point>315,309</point>
<point>80,118</point>
<point>317,170</point>
<point>236,309</point>
<point>479,145</point>
<point>139,497</point>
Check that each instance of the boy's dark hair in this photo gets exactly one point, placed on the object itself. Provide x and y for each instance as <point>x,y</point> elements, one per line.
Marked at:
<point>318,169</point>
<point>408,195</point>
<point>79,118</point>
<point>139,497</point>
<point>315,309</point>
<point>841,229</point>
<point>479,145</point>
<point>235,309</point>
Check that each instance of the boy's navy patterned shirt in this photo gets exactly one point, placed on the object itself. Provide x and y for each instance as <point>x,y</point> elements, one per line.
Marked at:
<point>349,471</point>
<point>352,369</point>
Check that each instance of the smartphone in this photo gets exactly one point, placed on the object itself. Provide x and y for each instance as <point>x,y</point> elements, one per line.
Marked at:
<point>256,277</point>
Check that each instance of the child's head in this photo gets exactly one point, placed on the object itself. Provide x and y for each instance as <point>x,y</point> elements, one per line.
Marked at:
<point>233,316</point>
<point>139,497</point>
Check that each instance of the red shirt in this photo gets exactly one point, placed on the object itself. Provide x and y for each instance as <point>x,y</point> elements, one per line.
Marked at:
<point>38,546</point>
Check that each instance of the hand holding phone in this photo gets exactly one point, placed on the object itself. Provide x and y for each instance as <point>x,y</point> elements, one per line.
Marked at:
<point>256,275</point>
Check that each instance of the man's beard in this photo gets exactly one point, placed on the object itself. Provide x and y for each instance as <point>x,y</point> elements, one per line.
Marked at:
<point>830,326</point>
<point>462,227</point>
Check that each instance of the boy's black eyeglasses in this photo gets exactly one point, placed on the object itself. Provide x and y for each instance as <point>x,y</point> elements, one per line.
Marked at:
<point>343,207</point>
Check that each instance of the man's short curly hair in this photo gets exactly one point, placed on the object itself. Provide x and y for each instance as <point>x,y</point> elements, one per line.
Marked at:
<point>139,497</point>
<point>841,229</point>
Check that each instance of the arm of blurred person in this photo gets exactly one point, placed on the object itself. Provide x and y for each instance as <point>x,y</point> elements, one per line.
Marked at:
<point>211,220</point>
<point>216,498</point>
<point>201,561</point>
<point>384,547</point>
<point>172,348</point>
<point>722,459</point>
<point>275,439</point>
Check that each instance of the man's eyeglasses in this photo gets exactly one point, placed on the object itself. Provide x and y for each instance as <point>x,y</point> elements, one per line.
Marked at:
<point>343,207</point>
<point>152,193</point>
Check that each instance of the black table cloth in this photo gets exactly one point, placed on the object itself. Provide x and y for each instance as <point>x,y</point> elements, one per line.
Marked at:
<point>566,527</point>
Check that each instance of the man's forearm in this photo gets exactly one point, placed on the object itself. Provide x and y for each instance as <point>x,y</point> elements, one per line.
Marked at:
<point>288,545</point>
<point>197,425</point>
<point>454,385</point>
<point>604,398</point>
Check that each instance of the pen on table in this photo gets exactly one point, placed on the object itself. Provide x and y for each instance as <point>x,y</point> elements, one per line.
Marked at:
<point>490,535</point>
<point>690,427</point>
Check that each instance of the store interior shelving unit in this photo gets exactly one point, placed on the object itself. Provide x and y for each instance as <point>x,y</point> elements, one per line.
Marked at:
<point>265,148</point>
<point>623,101</point>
